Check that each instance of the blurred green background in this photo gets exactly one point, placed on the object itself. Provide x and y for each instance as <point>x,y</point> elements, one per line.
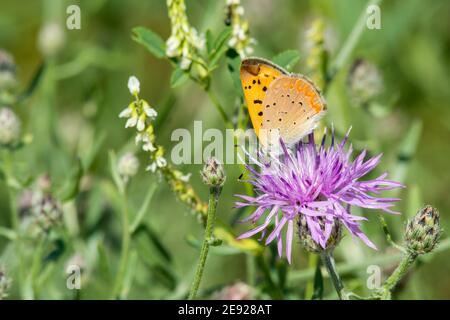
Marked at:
<point>83,89</point>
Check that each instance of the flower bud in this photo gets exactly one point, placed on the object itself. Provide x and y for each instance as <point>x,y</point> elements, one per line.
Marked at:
<point>213,173</point>
<point>7,71</point>
<point>51,39</point>
<point>128,166</point>
<point>46,211</point>
<point>423,231</point>
<point>9,127</point>
<point>310,244</point>
<point>364,82</point>
<point>5,283</point>
<point>237,291</point>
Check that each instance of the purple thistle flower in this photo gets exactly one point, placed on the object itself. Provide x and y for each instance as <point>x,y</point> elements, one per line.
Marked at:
<point>319,184</point>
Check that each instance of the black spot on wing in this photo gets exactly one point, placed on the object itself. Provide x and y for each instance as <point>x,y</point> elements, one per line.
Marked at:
<point>257,101</point>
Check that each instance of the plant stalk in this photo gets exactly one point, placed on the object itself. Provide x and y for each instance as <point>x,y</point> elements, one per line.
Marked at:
<point>214,193</point>
<point>126,236</point>
<point>328,261</point>
<point>401,270</point>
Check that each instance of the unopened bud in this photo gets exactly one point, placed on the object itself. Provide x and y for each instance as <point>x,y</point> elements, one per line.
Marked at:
<point>237,291</point>
<point>9,127</point>
<point>128,166</point>
<point>364,82</point>
<point>423,231</point>
<point>5,283</point>
<point>213,173</point>
<point>51,39</point>
<point>7,71</point>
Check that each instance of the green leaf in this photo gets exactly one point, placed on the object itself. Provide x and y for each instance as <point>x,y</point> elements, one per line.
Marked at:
<point>103,260</point>
<point>318,283</point>
<point>234,65</point>
<point>209,41</point>
<point>150,246</point>
<point>179,77</point>
<point>71,187</point>
<point>144,208</point>
<point>33,83</point>
<point>219,47</point>
<point>93,151</point>
<point>406,152</point>
<point>150,40</point>
<point>114,173</point>
<point>8,233</point>
<point>287,59</point>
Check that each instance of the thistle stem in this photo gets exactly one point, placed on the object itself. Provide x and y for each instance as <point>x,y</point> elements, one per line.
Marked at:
<point>214,193</point>
<point>401,270</point>
<point>328,261</point>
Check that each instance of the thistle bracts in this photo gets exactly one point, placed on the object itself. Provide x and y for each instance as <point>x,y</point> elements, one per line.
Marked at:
<point>423,231</point>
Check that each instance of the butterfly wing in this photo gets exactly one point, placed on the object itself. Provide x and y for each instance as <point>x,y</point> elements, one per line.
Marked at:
<point>256,77</point>
<point>290,110</point>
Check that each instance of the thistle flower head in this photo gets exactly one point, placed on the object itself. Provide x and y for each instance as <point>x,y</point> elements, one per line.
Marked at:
<point>128,166</point>
<point>423,231</point>
<point>318,185</point>
<point>213,173</point>
<point>5,283</point>
<point>9,127</point>
<point>46,211</point>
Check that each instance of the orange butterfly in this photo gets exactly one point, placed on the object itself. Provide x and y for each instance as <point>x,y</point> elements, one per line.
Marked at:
<point>281,104</point>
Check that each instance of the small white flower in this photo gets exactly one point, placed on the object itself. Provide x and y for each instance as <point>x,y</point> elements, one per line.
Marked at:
<point>125,113</point>
<point>141,123</point>
<point>148,146</point>
<point>152,167</point>
<point>172,46</point>
<point>239,10</point>
<point>185,63</point>
<point>232,42</point>
<point>149,111</point>
<point>186,177</point>
<point>161,162</point>
<point>131,122</point>
<point>133,85</point>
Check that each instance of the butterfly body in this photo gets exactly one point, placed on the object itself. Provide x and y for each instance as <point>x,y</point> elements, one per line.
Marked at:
<point>280,104</point>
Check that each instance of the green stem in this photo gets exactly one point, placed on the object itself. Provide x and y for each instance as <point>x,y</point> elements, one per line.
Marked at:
<point>125,249</point>
<point>251,269</point>
<point>388,234</point>
<point>313,262</point>
<point>351,42</point>
<point>214,193</point>
<point>328,261</point>
<point>219,108</point>
<point>15,220</point>
<point>400,271</point>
